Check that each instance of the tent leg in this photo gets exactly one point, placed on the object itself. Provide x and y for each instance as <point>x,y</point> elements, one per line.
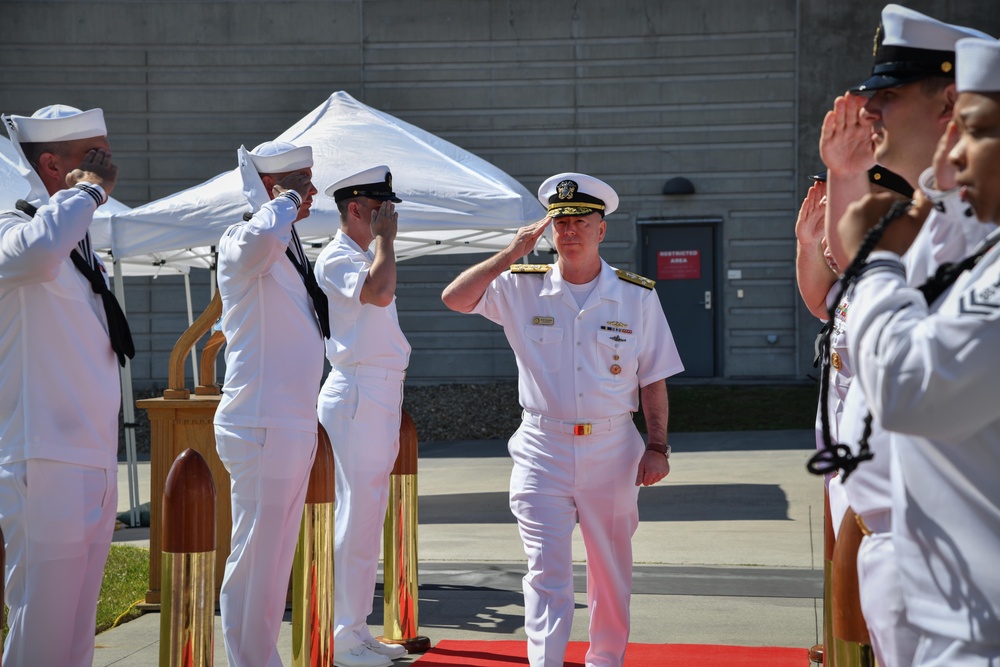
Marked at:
<point>128,413</point>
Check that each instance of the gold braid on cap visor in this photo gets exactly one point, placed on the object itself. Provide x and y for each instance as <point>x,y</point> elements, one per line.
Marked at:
<point>575,204</point>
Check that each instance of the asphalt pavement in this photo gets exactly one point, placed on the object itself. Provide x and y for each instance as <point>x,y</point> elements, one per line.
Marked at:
<point>729,550</point>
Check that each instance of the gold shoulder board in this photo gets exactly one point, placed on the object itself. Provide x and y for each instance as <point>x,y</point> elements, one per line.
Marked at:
<point>530,268</point>
<point>635,279</point>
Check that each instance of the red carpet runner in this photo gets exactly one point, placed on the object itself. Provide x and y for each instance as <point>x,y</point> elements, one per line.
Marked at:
<point>509,653</point>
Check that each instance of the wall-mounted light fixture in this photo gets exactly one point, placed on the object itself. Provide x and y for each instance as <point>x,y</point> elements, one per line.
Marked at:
<point>678,185</point>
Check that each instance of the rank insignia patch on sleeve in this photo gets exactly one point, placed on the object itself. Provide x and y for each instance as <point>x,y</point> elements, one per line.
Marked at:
<point>635,279</point>
<point>984,302</point>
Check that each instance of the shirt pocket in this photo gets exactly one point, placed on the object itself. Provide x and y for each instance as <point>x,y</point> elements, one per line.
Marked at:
<point>617,360</point>
<point>542,344</point>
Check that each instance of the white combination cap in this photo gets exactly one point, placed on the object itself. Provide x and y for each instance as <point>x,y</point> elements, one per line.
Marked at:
<point>577,194</point>
<point>279,157</point>
<point>978,63</point>
<point>910,46</point>
<point>56,122</point>
<point>374,183</point>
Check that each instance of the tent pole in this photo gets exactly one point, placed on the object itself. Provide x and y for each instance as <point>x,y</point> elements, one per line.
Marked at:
<point>194,356</point>
<point>213,283</point>
<point>128,412</point>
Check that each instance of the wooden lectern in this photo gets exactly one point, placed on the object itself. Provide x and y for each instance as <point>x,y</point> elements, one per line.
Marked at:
<point>180,421</point>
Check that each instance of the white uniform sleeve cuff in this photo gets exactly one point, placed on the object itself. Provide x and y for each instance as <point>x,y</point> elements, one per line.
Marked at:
<point>945,201</point>
<point>927,184</point>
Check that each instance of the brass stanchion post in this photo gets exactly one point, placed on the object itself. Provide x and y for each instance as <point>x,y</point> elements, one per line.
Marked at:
<point>312,573</point>
<point>820,653</point>
<point>187,604</point>
<point>851,643</point>
<point>400,579</point>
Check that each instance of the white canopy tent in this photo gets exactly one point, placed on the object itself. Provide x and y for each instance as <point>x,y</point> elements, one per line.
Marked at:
<point>453,201</point>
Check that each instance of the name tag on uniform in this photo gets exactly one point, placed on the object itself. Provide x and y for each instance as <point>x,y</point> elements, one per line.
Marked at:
<point>543,321</point>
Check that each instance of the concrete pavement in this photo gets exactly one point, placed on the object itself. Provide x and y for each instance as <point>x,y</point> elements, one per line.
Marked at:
<point>729,550</point>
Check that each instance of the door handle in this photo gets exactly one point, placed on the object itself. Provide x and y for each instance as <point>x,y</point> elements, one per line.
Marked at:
<point>708,300</point>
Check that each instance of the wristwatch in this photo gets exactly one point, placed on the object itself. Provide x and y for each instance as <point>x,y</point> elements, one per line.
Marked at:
<point>662,449</point>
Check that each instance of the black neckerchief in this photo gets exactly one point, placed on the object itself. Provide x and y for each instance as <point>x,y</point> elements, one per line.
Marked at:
<point>87,264</point>
<point>321,304</point>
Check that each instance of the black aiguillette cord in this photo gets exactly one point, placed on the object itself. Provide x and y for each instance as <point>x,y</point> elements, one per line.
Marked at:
<point>838,456</point>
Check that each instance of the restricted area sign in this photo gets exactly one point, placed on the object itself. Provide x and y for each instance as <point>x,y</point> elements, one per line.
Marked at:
<point>678,265</point>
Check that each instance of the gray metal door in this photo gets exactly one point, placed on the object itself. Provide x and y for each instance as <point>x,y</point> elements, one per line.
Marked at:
<point>680,257</point>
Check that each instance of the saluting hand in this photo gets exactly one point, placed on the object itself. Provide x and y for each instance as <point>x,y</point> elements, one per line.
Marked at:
<point>96,168</point>
<point>845,143</point>
<point>385,221</point>
<point>809,225</point>
<point>527,237</point>
<point>300,181</point>
<point>944,170</point>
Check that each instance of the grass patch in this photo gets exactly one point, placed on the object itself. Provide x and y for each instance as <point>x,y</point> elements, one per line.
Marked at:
<point>126,580</point>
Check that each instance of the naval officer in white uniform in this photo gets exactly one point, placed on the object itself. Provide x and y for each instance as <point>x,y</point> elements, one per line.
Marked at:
<point>928,368</point>
<point>589,341</point>
<point>60,395</point>
<point>265,426</point>
<point>361,401</point>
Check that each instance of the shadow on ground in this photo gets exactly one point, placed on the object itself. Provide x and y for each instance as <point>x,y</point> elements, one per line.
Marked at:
<point>683,502</point>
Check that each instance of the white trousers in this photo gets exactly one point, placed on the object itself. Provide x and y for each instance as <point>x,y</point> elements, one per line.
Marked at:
<point>57,520</point>
<point>557,479</point>
<point>269,473</point>
<point>894,639</point>
<point>838,503</point>
<point>361,415</point>
<point>935,651</point>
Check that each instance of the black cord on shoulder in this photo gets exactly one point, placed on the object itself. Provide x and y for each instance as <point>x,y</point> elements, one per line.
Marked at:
<point>948,273</point>
<point>838,456</point>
